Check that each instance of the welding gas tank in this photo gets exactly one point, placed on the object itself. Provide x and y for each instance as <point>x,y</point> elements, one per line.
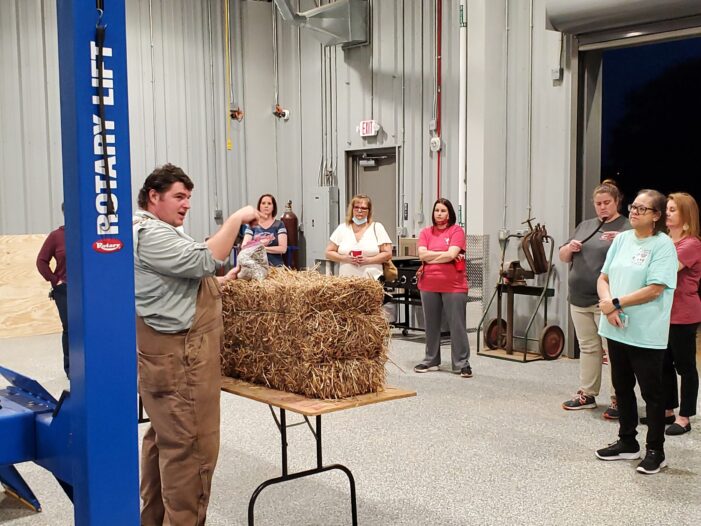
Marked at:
<point>289,219</point>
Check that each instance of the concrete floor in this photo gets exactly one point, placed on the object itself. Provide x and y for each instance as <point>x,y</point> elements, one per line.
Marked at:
<point>496,449</point>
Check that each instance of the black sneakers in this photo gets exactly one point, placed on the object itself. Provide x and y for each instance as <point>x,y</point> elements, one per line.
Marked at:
<point>423,368</point>
<point>620,451</point>
<point>466,372</point>
<point>611,412</point>
<point>580,401</point>
<point>653,462</point>
<point>676,429</point>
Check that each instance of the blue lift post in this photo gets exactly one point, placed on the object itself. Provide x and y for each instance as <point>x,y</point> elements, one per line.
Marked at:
<point>101,317</point>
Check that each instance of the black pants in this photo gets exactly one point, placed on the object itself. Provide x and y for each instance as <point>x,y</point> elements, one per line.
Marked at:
<point>680,358</point>
<point>628,364</point>
<point>60,294</point>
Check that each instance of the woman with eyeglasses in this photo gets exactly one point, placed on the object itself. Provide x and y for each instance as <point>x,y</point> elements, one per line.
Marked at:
<point>360,244</point>
<point>443,287</point>
<point>680,356</point>
<point>636,289</point>
<point>586,251</point>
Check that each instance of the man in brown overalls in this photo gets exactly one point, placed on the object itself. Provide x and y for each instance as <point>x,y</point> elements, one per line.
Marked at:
<point>179,334</point>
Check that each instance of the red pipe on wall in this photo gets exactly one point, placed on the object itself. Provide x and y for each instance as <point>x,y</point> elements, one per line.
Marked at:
<point>439,40</point>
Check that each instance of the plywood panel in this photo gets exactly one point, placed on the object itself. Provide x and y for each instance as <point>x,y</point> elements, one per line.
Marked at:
<point>25,308</point>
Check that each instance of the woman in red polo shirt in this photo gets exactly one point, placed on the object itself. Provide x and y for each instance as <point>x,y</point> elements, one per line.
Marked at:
<point>680,356</point>
<point>443,286</point>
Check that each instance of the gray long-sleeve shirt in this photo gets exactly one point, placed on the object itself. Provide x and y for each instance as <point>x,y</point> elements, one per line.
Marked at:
<point>586,265</point>
<point>168,266</point>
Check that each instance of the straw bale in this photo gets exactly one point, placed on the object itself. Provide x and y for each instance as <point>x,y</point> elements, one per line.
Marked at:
<point>302,332</point>
<point>307,291</point>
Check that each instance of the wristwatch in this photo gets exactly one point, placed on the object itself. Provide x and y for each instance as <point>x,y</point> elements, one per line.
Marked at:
<point>616,303</point>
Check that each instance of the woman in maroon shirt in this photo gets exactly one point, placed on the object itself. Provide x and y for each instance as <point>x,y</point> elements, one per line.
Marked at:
<point>680,356</point>
<point>54,247</point>
<point>443,287</point>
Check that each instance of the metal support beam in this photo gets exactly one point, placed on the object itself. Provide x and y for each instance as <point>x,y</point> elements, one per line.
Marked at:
<point>100,268</point>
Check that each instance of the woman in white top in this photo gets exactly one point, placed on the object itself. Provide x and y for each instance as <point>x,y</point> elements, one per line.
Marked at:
<point>360,244</point>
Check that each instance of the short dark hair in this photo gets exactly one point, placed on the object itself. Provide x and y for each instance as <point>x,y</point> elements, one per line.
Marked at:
<point>659,203</point>
<point>161,179</point>
<point>272,198</point>
<point>452,218</point>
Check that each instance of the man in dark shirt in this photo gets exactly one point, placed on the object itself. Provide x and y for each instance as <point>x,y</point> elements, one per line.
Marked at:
<point>55,248</point>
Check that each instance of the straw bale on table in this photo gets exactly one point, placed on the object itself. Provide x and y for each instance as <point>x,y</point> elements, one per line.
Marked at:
<point>320,336</point>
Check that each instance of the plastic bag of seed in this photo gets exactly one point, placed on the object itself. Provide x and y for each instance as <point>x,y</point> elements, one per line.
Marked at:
<point>253,260</point>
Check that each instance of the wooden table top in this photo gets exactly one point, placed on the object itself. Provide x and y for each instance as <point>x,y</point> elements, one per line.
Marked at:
<point>308,406</point>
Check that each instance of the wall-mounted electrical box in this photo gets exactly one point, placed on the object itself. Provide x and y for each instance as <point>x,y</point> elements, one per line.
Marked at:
<point>321,218</point>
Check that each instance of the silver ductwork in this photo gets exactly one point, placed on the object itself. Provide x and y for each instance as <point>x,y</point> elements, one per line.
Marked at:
<point>589,16</point>
<point>342,22</point>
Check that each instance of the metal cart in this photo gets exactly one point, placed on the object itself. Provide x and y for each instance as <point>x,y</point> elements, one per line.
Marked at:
<point>499,333</point>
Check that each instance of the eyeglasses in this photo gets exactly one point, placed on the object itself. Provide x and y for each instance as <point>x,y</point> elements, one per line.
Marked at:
<point>639,209</point>
<point>361,208</point>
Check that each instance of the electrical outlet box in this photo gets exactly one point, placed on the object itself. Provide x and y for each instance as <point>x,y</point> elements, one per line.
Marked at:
<point>218,214</point>
<point>503,234</point>
<point>556,73</point>
<point>321,219</point>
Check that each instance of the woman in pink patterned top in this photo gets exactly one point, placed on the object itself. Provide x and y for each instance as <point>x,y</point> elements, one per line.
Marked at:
<point>680,356</point>
<point>443,287</point>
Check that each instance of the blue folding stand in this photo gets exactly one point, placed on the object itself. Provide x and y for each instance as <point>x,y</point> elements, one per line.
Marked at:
<point>88,439</point>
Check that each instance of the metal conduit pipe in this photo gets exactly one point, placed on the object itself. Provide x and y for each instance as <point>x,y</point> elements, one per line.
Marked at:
<point>462,116</point>
<point>322,90</point>
<point>153,81</point>
<point>238,20</point>
<point>213,106</point>
<point>402,183</point>
<point>276,82</point>
<point>439,47</point>
<point>506,113</point>
<point>301,122</point>
<point>530,112</point>
<point>335,117</point>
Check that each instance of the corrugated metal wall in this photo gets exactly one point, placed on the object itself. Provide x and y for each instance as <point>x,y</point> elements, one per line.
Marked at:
<point>30,137</point>
<point>179,105</point>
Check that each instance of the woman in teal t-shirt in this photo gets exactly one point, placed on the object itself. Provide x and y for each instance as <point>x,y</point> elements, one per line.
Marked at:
<point>636,289</point>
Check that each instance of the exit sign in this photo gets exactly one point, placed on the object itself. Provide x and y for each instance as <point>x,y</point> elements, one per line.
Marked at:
<point>368,128</point>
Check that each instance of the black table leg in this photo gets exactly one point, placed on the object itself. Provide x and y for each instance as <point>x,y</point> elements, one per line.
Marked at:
<point>320,468</point>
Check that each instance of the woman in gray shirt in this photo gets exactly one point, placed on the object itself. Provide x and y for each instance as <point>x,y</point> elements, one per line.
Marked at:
<point>586,252</point>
